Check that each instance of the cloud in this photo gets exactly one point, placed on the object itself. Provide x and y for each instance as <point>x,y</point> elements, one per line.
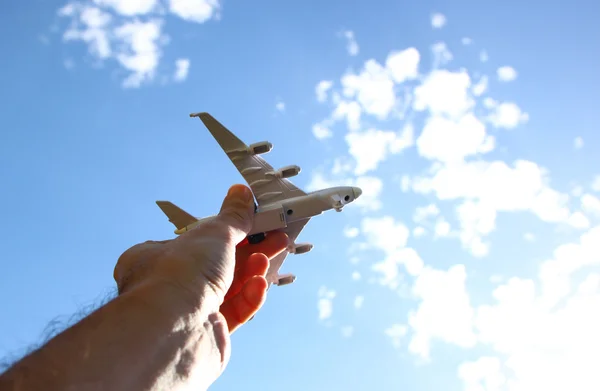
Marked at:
<point>444,93</point>
<point>351,232</point>
<point>505,115</point>
<point>372,146</point>
<point>396,333</point>
<point>438,20</point>
<point>506,73</point>
<point>198,11</point>
<point>347,331</point>
<point>466,41</point>
<point>444,312</point>
<point>182,68</point>
<point>351,45</point>
<point>483,56</point>
<point>596,183</point>
<point>321,90</point>
<point>130,33</point>
<point>490,187</point>
<point>578,143</point>
<point>520,333</point>
<point>358,302</point>
<point>280,106</point>
<point>325,303</point>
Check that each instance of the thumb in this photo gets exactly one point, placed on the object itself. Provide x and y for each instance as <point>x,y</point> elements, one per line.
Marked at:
<point>237,211</point>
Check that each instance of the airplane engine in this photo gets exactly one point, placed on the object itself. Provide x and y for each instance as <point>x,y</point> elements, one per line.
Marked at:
<point>260,148</point>
<point>285,279</point>
<point>300,248</point>
<point>286,172</point>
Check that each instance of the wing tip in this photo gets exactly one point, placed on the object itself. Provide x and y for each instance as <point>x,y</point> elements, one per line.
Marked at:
<point>201,115</point>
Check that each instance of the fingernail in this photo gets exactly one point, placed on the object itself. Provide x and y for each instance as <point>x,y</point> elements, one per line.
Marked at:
<point>240,191</point>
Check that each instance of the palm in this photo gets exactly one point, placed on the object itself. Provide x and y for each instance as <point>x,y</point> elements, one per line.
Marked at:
<point>249,287</point>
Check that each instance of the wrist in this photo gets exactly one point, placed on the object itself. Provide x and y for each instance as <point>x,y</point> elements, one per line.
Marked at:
<point>195,303</point>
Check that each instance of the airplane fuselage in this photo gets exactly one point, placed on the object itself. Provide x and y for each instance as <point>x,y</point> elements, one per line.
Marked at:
<point>276,216</point>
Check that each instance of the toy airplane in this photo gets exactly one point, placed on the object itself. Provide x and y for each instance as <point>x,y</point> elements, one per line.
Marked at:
<point>280,205</point>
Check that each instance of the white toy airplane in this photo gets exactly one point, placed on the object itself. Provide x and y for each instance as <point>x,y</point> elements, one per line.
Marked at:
<point>280,205</point>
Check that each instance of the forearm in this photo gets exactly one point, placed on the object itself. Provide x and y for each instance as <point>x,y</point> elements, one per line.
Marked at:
<point>138,341</point>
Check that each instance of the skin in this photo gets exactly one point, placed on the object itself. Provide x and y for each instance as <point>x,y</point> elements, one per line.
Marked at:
<point>169,328</point>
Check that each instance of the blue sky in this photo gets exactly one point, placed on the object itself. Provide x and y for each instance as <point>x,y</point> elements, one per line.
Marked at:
<point>470,262</point>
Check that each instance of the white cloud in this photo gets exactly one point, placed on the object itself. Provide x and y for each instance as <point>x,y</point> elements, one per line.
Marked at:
<point>143,55</point>
<point>483,56</point>
<point>590,204</point>
<point>481,87</point>
<point>596,183</point>
<point>483,374</point>
<point>321,90</point>
<point>442,228</point>
<point>418,232</point>
<point>351,44</point>
<point>403,65</point>
<point>491,187</point>
<point>389,236</point>
<point>347,331</point>
<point>396,333</point>
<point>444,312</point>
<point>444,93</point>
<point>466,41</point>
<point>578,143</point>
<point>325,303</point>
<point>198,11</point>
<point>112,30</point>
<point>373,89</point>
<point>358,302</point>
<point>451,141</point>
<point>422,213</point>
<point>90,25</point>
<point>351,232</point>
<point>506,73</point>
<point>438,20</point>
<point>320,131</point>
<point>506,115</point>
<point>524,329</point>
<point>182,68</point>
<point>129,7</point>
<point>441,54</point>
<point>280,106</point>
<point>356,276</point>
<point>371,147</point>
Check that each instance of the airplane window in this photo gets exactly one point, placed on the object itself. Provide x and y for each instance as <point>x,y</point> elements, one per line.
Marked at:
<point>347,198</point>
<point>289,212</point>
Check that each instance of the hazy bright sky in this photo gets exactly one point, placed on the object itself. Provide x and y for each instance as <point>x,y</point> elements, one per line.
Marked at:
<point>469,263</point>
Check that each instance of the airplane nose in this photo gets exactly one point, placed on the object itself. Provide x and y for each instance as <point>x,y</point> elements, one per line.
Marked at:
<point>357,192</point>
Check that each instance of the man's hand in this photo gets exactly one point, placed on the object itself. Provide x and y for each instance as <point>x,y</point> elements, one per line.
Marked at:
<point>211,266</point>
<point>169,327</point>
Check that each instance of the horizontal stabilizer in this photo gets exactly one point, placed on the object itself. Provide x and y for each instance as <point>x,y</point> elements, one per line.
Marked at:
<point>179,217</point>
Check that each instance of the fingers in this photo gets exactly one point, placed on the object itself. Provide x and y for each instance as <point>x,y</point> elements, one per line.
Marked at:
<point>240,308</point>
<point>237,211</point>
<point>255,265</point>
<point>274,243</point>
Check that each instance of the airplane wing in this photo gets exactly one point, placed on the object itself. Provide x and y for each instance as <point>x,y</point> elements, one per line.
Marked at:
<point>179,217</point>
<point>292,231</point>
<point>254,169</point>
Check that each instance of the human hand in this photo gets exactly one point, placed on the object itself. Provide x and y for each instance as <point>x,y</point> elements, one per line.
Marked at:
<point>211,266</point>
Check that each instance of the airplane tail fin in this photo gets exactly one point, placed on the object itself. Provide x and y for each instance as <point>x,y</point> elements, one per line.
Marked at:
<point>179,217</point>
